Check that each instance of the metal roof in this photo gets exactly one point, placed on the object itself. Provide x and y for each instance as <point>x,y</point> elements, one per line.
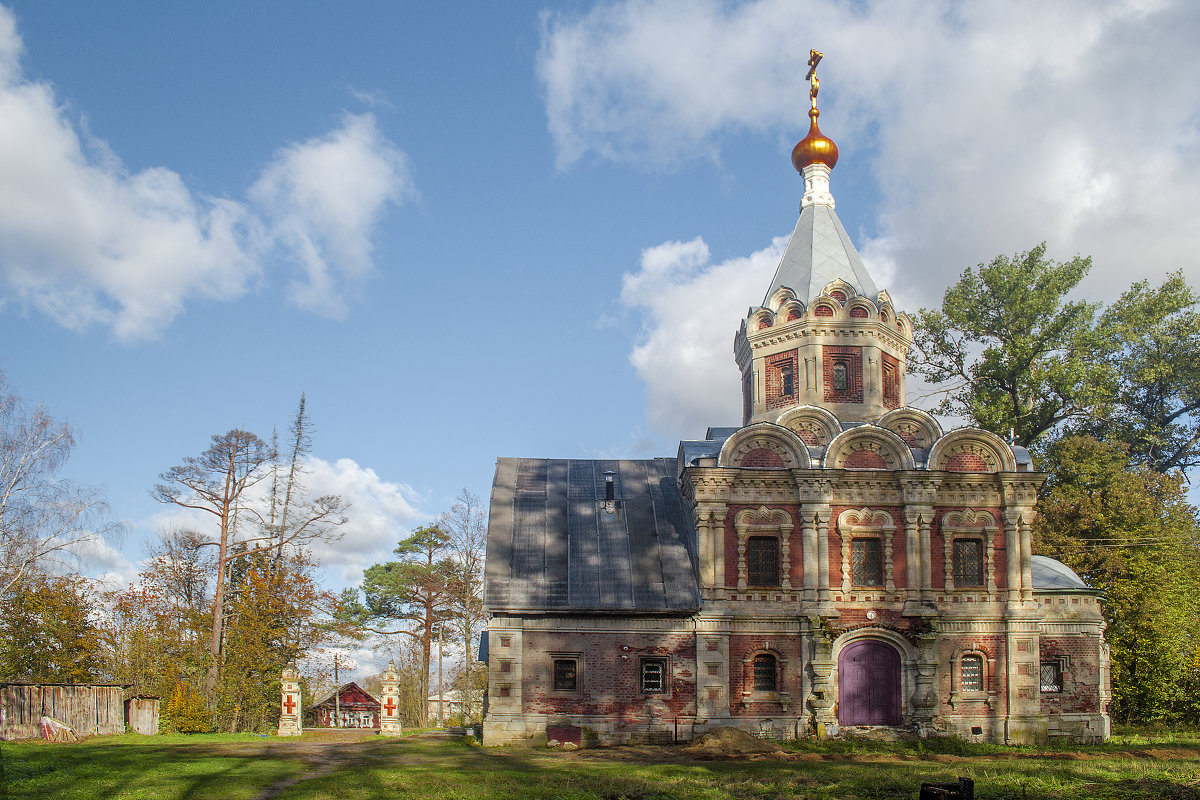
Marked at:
<point>1049,573</point>
<point>554,544</point>
<point>820,251</point>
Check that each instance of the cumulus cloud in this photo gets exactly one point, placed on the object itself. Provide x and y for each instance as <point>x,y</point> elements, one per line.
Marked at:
<point>323,197</point>
<point>691,309</point>
<point>88,243</point>
<point>988,126</point>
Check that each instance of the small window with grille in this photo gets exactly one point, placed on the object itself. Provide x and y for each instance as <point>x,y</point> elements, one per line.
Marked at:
<point>566,675</point>
<point>654,675</point>
<point>1052,676</point>
<point>971,673</point>
<point>764,673</point>
<point>968,563</point>
<point>866,562</point>
<point>762,561</point>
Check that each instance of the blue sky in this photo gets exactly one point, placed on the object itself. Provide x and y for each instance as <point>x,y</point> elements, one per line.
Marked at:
<point>523,229</point>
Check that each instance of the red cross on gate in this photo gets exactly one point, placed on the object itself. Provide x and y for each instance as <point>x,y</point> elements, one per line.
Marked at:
<point>390,707</point>
<point>289,704</point>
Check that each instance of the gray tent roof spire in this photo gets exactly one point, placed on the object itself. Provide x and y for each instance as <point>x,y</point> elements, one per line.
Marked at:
<point>820,250</point>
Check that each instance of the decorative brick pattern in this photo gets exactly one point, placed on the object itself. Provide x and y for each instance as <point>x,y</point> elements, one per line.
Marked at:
<point>858,312</point>
<point>851,359</point>
<point>781,376</point>
<point>891,381</point>
<point>823,311</point>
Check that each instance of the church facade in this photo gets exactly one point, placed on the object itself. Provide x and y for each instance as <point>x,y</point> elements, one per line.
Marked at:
<point>838,562</point>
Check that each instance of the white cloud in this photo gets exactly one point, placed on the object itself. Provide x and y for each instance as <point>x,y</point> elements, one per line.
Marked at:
<point>990,127</point>
<point>323,197</point>
<point>381,513</point>
<point>691,309</point>
<point>86,242</point>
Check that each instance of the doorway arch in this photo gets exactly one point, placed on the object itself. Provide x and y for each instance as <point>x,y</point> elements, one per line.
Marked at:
<point>869,684</point>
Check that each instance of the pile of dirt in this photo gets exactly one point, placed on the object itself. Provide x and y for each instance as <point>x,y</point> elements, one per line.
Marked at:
<point>724,742</point>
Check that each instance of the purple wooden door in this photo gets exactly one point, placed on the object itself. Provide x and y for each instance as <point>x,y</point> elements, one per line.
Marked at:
<point>869,684</point>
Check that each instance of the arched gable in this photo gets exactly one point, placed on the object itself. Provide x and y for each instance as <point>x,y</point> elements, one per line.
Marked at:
<point>760,318</point>
<point>868,447</point>
<point>972,450</point>
<point>764,445</point>
<point>780,297</point>
<point>816,426</point>
<point>914,426</point>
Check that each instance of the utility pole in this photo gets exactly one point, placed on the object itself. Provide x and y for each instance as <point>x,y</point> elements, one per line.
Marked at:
<point>337,695</point>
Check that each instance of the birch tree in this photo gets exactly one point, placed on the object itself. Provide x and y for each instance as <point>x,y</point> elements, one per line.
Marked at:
<point>43,518</point>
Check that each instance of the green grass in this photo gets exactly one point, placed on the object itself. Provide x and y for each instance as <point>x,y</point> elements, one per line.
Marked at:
<point>1135,764</point>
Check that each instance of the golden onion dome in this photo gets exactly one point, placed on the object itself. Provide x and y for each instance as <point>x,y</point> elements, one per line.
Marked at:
<point>815,147</point>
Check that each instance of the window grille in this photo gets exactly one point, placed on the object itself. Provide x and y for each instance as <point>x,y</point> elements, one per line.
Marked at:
<point>565,675</point>
<point>841,376</point>
<point>971,673</point>
<point>762,561</point>
<point>866,562</point>
<point>654,671</point>
<point>764,673</point>
<point>1052,676</point>
<point>968,563</point>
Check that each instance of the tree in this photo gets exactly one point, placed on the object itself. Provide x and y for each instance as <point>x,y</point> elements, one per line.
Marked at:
<point>1128,530</point>
<point>42,517</point>
<point>465,525</point>
<point>214,483</point>
<point>47,633</point>
<point>415,589</point>
<point>1010,351</point>
<point>1154,335</point>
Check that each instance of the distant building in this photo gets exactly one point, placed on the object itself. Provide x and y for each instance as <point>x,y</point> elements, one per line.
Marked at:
<point>353,707</point>
<point>839,561</point>
<point>455,703</point>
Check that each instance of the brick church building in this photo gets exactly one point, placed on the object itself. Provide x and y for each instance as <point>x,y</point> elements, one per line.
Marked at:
<point>838,562</point>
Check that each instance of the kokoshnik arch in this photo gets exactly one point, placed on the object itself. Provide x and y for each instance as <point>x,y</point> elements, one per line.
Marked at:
<point>838,561</point>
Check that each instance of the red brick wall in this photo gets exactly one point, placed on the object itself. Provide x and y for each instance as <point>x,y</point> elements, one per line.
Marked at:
<point>774,382</point>
<point>865,459</point>
<point>762,458</point>
<point>786,650</point>
<point>853,358</point>
<point>610,673</point>
<point>1081,674</point>
<point>966,462</point>
<point>891,381</point>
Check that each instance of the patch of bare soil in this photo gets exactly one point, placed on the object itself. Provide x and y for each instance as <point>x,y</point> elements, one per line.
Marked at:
<point>731,742</point>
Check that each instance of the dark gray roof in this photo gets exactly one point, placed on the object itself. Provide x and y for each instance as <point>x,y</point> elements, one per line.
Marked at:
<point>553,545</point>
<point>1051,574</point>
<point>819,252</point>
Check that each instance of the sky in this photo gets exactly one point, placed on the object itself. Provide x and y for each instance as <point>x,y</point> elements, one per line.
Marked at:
<point>471,230</point>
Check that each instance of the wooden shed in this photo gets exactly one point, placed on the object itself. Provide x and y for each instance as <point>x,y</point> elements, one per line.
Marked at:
<point>89,709</point>
<point>352,707</point>
<point>141,714</point>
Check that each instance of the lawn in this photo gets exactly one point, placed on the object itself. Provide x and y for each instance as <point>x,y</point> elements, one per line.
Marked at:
<point>1133,765</point>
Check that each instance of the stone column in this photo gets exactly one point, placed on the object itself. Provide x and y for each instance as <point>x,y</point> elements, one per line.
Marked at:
<point>822,523</point>
<point>389,711</point>
<point>809,528</point>
<point>925,524</point>
<point>1012,543</point>
<point>1026,557</point>
<point>289,718</point>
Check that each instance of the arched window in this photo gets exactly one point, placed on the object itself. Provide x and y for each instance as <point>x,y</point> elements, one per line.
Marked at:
<point>764,673</point>
<point>841,376</point>
<point>971,673</point>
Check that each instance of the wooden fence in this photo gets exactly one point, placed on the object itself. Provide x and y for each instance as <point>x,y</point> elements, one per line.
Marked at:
<point>91,710</point>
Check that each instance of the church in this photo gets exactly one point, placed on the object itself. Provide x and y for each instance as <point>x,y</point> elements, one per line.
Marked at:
<point>838,563</point>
